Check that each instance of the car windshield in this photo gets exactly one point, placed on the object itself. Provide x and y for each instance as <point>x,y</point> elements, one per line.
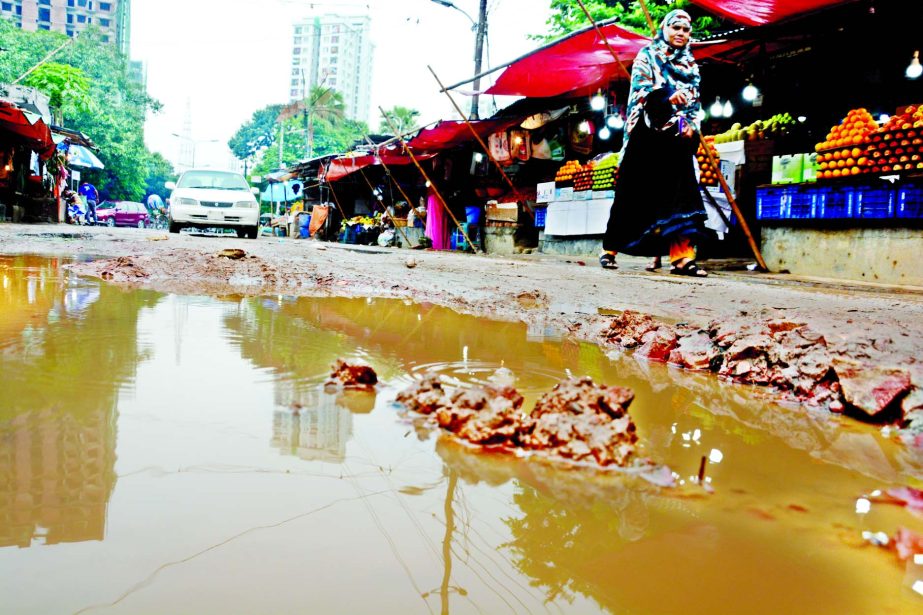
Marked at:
<point>216,180</point>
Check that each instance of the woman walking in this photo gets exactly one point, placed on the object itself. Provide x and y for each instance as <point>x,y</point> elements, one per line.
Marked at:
<point>658,207</point>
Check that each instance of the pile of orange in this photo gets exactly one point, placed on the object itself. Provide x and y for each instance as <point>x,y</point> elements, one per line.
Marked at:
<point>708,175</point>
<point>853,130</point>
<point>842,162</point>
<point>566,173</point>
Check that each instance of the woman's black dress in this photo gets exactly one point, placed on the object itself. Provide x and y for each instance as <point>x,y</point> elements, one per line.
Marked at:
<point>657,199</point>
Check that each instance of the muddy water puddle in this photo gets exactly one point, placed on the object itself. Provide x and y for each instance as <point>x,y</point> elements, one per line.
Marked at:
<point>178,454</point>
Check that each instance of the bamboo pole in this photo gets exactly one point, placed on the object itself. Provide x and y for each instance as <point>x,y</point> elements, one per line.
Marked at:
<point>391,177</point>
<point>481,142</point>
<point>383,208</point>
<point>430,182</point>
<point>711,159</point>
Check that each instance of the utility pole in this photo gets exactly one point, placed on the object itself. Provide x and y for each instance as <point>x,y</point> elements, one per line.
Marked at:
<point>478,54</point>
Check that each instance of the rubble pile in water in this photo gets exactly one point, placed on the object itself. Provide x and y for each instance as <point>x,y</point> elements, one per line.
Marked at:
<point>785,355</point>
<point>351,375</point>
<point>578,420</point>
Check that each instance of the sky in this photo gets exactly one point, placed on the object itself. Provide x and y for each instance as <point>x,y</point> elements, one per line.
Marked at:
<point>224,59</point>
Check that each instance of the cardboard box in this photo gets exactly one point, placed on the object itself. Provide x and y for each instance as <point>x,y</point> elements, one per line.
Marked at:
<point>787,169</point>
<point>503,212</point>
<point>544,193</point>
<point>563,194</point>
<point>809,170</point>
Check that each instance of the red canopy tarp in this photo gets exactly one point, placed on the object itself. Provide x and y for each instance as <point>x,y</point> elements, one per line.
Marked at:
<point>338,168</point>
<point>761,12</point>
<point>452,133</point>
<point>26,128</point>
<point>580,62</point>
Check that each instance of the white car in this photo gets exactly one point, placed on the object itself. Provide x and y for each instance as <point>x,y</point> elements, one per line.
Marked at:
<point>204,198</point>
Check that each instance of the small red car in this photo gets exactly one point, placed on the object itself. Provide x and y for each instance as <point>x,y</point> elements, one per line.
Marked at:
<point>123,213</point>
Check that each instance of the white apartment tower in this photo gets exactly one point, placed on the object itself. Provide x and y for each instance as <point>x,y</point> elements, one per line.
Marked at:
<point>334,51</point>
<point>112,17</point>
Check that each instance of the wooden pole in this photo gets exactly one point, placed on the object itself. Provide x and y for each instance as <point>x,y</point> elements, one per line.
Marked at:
<point>711,159</point>
<point>481,142</point>
<point>426,177</point>
<point>383,208</point>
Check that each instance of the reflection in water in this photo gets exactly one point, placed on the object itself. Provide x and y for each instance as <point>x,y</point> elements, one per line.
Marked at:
<point>315,429</point>
<point>68,345</point>
<point>234,464</point>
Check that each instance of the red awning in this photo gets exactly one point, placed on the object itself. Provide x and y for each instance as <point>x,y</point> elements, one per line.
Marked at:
<point>26,128</point>
<point>761,12</point>
<point>346,165</point>
<point>452,133</point>
<point>578,64</point>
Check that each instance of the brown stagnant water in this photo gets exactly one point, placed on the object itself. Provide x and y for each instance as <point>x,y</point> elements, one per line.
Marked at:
<point>176,454</point>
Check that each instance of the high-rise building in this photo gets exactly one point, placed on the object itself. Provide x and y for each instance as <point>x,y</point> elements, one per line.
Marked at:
<point>334,51</point>
<point>112,17</point>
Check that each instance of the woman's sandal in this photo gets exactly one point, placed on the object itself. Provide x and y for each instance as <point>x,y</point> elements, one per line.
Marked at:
<point>689,269</point>
<point>654,264</point>
<point>607,261</point>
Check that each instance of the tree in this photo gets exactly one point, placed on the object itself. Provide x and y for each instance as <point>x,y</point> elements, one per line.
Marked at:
<point>114,120</point>
<point>403,118</point>
<point>567,16</point>
<point>258,133</point>
<point>159,172</point>
<point>320,104</point>
<point>67,87</point>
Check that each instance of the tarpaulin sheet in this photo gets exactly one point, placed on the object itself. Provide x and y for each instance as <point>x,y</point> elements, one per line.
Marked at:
<point>452,133</point>
<point>26,128</point>
<point>346,165</point>
<point>579,63</point>
<point>80,156</point>
<point>761,12</point>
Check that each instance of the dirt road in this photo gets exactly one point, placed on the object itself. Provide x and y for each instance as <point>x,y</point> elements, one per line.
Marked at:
<point>876,326</point>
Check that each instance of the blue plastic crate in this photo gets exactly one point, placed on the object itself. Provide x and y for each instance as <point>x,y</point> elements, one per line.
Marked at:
<point>540,214</point>
<point>771,202</point>
<point>836,202</point>
<point>909,201</point>
<point>802,203</point>
<point>874,202</point>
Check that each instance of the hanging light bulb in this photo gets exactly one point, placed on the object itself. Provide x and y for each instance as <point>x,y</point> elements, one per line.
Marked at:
<point>615,122</point>
<point>585,127</point>
<point>883,118</point>
<point>915,69</point>
<point>700,115</point>
<point>716,109</point>
<point>604,133</point>
<point>728,109</point>
<point>750,92</point>
<point>598,102</point>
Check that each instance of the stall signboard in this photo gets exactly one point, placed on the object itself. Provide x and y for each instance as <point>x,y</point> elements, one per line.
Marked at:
<point>503,212</point>
<point>564,194</point>
<point>544,192</point>
<point>787,169</point>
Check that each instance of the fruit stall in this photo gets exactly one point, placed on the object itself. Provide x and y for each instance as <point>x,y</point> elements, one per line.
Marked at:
<point>853,208</point>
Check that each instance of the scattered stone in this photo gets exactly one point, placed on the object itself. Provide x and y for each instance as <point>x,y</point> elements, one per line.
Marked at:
<point>695,351</point>
<point>410,263</point>
<point>629,328</point>
<point>578,420</point>
<point>657,345</point>
<point>356,375</point>
<point>870,388</point>
<point>232,253</point>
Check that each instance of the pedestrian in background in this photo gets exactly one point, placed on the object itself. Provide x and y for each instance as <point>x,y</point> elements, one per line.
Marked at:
<point>88,191</point>
<point>658,207</point>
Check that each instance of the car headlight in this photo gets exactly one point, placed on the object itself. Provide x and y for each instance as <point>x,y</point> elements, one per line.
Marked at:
<point>246,204</point>
<point>187,201</point>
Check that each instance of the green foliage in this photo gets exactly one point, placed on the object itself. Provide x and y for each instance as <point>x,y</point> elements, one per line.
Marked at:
<point>115,118</point>
<point>403,118</point>
<point>158,172</point>
<point>66,86</point>
<point>330,137</point>
<point>567,16</point>
<point>257,133</point>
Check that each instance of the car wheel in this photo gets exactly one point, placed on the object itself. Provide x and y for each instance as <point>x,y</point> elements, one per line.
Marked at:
<point>174,227</point>
<point>110,222</point>
<point>253,232</point>
<point>141,224</point>
<point>242,232</point>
